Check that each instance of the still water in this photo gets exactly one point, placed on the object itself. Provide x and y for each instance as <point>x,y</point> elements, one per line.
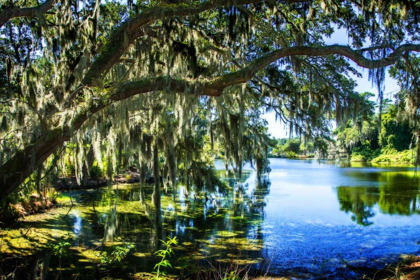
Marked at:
<point>310,218</point>
<point>320,216</point>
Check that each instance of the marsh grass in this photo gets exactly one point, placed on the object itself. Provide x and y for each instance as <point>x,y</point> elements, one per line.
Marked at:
<point>406,269</point>
<point>213,268</point>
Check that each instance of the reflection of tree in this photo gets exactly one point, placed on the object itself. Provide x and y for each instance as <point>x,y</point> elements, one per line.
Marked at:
<point>111,224</point>
<point>239,215</point>
<point>397,194</point>
<point>216,221</point>
<point>359,201</point>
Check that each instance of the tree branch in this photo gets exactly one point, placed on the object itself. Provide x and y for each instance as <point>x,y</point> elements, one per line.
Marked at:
<point>22,164</point>
<point>9,13</point>
<point>130,30</point>
<point>216,86</point>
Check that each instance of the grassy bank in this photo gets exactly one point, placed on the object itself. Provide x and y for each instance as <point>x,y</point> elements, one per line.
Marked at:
<point>388,156</point>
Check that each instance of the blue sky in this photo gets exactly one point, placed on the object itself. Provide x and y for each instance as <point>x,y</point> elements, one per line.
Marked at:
<point>279,130</point>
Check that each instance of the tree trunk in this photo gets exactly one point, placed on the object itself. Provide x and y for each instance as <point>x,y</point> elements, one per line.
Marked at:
<point>156,193</point>
<point>172,166</point>
<point>187,184</point>
<point>87,165</point>
<point>24,162</point>
<point>120,155</point>
<point>417,150</point>
<point>38,180</point>
<point>142,175</point>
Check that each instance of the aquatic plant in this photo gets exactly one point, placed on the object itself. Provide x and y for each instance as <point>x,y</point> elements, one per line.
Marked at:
<point>116,255</point>
<point>232,276</point>
<point>165,254</point>
<point>61,247</point>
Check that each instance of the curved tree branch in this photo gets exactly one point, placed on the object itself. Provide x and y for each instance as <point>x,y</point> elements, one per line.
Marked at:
<point>22,164</point>
<point>9,13</point>
<point>216,86</point>
<point>130,30</point>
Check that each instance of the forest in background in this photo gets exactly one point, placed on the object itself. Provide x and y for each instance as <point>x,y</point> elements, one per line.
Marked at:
<point>361,139</point>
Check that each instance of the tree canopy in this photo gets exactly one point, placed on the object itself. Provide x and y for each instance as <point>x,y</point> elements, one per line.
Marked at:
<point>186,77</point>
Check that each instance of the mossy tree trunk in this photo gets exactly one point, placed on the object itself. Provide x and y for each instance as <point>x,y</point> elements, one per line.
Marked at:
<point>156,192</point>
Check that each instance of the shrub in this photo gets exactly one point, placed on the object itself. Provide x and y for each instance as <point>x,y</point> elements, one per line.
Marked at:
<point>395,157</point>
<point>291,154</point>
<point>364,152</point>
<point>69,169</point>
<point>95,172</point>
<point>358,158</point>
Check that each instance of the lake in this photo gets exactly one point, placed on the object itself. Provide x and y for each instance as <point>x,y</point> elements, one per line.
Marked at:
<point>320,216</point>
<point>308,219</point>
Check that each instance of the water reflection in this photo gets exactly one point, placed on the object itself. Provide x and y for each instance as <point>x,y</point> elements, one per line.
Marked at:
<point>302,228</point>
<point>397,193</point>
<point>359,201</point>
<point>215,223</point>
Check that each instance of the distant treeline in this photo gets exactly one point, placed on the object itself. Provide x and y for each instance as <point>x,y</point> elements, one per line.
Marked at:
<point>292,148</point>
<point>363,138</point>
<point>391,140</point>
